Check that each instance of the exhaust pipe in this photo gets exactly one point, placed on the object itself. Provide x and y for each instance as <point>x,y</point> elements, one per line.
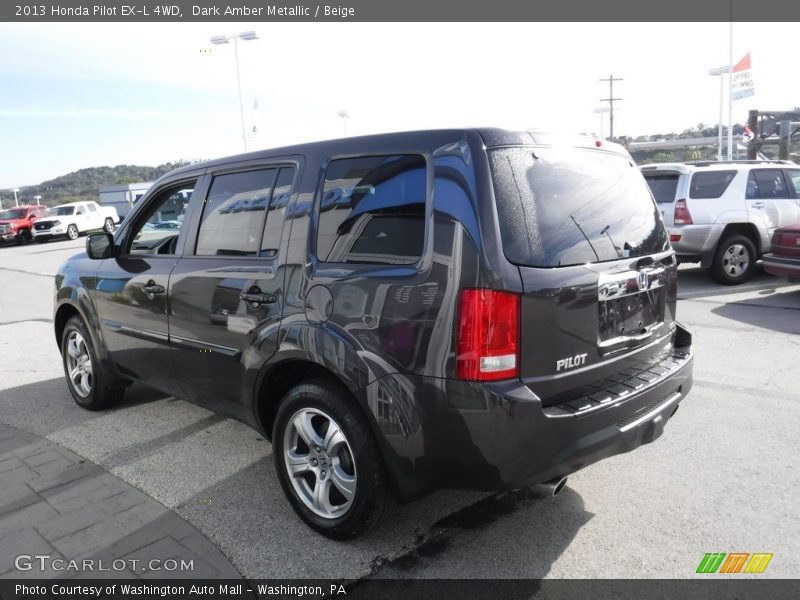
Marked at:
<point>554,486</point>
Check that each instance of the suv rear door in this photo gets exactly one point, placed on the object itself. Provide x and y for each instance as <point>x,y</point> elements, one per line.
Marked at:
<point>598,274</point>
<point>770,200</point>
<point>226,292</point>
<point>667,185</point>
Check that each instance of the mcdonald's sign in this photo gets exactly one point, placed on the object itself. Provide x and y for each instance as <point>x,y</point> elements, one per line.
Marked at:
<point>734,562</point>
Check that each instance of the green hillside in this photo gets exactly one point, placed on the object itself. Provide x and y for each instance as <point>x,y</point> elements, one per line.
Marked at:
<point>85,184</point>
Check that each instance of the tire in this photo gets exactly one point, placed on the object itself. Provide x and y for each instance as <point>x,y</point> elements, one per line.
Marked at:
<point>734,260</point>
<point>72,232</point>
<point>86,380</point>
<point>24,237</point>
<point>356,494</point>
<point>108,226</point>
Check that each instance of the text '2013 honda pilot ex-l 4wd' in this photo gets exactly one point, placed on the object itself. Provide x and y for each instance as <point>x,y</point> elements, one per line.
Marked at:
<point>473,308</point>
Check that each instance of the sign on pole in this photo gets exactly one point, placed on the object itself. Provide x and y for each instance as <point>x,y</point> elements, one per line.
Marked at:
<point>742,80</point>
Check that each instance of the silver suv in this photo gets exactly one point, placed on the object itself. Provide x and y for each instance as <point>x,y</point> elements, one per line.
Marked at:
<point>722,214</point>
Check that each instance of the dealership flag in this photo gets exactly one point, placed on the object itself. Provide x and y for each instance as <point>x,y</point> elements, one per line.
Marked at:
<point>742,82</point>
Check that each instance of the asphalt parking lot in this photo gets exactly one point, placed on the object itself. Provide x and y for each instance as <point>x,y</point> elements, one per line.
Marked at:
<point>724,477</point>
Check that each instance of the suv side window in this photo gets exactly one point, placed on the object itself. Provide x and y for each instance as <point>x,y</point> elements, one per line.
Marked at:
<point>146,237</point>
<point>794,175</point>
<point>276,212</point>
<point>234,213</point>
<point>711,184</point>
<point>91,207</point>
<point>766,184</point>
<point>372,210</point>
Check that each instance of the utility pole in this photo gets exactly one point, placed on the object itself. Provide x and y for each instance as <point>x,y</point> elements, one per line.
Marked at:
<point>611,101</point>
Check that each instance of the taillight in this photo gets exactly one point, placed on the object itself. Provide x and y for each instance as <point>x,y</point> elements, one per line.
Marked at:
<point>488,335</point>
<point>682,214</point>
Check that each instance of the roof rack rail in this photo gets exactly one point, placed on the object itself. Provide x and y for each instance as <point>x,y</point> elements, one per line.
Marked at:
<point>708,163</point>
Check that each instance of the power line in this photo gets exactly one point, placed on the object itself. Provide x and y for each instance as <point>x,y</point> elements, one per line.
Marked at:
<point>611,101</point>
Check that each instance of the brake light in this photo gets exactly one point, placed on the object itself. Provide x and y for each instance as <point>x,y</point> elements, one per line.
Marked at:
<point>488,335</point>
<point>682,214</point>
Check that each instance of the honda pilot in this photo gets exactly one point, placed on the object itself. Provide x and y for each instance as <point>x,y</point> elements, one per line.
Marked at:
<point>486,308</point>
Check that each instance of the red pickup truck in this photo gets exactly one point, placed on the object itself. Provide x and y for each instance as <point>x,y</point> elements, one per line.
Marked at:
<point>16,223</point>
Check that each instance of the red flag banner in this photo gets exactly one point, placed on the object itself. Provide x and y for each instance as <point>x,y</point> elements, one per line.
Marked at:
<point>742,79</point>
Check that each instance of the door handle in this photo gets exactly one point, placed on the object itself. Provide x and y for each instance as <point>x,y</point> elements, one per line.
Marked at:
<point>256,297</point>
<point>757,205</point>
<point>151,288</point>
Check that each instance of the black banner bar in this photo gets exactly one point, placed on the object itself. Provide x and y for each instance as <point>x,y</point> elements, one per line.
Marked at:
<point>714,587</point>
<point>400,11</point>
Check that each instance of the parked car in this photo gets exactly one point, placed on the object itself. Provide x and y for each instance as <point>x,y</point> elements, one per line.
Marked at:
<point>473,308</point>
<point>722,214</point>
<point>71,220</point>
<point>784,260</point>
<point>16,223</point>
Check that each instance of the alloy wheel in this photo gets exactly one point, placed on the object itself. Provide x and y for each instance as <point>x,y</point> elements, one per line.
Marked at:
<point>735,260</point>
<point>320,463</point>
<point>79,364</point>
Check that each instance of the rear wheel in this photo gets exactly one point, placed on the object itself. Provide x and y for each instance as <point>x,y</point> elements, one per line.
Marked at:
<point>329,463</point>
<point>108,226</point>
<point>24,237</point>
<point>85,377</point>
<point>734,260</point>
<point>72,232</point>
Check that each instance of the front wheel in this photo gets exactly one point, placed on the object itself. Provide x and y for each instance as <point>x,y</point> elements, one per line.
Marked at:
<point>72,232</point>
<point>108,226</point>
<point>734,260</point>
<point>329,463</point>
<point>85,378</point>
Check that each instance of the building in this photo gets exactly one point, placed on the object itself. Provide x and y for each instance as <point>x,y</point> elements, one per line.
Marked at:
<point>123,197</point>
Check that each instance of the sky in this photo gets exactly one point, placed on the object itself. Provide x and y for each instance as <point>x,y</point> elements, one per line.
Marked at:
<point>76,95</point>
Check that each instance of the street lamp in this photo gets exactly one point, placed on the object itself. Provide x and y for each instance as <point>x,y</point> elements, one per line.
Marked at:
<point>601,110</point>
<point>720,71</point>
<point>345,115</point>
<point>16,202</point>
<point>224,39</point>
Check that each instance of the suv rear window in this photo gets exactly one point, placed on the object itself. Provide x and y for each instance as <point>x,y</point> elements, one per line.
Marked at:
<point>561,207</point>
<point>663,186</point>
<point>710,185</point>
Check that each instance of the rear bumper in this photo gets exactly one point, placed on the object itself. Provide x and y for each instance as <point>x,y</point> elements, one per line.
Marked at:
<point>782,267</point>
<point>696,241</point>
<point>500,437</point>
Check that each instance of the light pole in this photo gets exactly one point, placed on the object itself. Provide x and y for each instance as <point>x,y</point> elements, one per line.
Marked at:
<point>345,115</point>
<point>224,39</point>
<point>602,110</point>
<point>16,202</point>
<point>720,71</point>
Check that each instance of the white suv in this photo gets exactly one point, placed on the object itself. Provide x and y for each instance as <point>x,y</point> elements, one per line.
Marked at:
<point>722,214</point>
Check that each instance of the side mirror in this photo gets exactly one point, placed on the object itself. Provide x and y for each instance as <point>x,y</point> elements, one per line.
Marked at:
<point>100,245</point>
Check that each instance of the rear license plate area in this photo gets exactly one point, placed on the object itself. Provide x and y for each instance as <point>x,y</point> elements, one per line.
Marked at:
<point>630,316</point>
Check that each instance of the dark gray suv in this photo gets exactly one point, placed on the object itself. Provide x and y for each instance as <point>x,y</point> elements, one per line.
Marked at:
<point>476,308</point>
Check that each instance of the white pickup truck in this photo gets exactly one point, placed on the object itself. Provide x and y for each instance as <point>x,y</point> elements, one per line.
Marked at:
<point>71,220</point>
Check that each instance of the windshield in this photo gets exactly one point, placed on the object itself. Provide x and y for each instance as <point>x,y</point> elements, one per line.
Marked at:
<point>12,214</point>
<point>63,211</point>
<point>561,207</point>
<point>663,186</point>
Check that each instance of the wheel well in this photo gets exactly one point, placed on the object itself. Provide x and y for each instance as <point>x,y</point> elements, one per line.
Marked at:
<point>64,313</point>
<point>747,229</point>
<point>283,377</point>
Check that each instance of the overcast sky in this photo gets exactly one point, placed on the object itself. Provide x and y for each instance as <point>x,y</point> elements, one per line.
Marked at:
<point>82,95</point>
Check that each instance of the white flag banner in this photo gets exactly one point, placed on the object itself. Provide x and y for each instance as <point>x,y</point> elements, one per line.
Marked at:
<point>742,79</point>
